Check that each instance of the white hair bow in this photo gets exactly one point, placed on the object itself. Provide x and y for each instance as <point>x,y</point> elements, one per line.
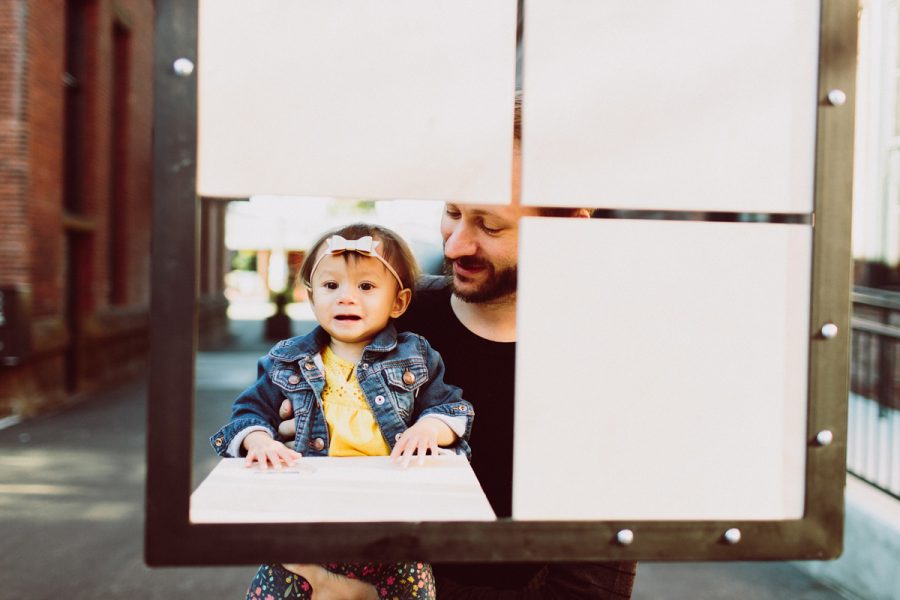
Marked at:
<point>364,245</point>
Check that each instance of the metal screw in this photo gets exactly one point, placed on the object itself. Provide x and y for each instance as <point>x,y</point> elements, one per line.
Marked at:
<point>829,331</point>
<point>733,535</point>
<point>837,97</point>
<point>625,537</point>
<point>824,437</point>
<point>183,67</point>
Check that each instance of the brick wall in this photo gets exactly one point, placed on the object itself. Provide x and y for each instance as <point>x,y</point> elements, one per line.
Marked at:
<point>43,118</point>
<point>92,337</point>
<point>13,145</point>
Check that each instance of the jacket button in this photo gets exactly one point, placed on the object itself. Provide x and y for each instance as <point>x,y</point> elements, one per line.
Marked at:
<point>219,442</point>
<point>294,379</point>
<point>379,400</point>
<point>408,378</point>
<point>308,366</point>
<point>318,444</point>
<point>364,366</point>
<point>398,436</point>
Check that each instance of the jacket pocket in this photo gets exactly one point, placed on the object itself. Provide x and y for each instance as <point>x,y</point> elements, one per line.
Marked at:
<point>407,375</point>
<point>294,387</point>
<point>404,378</point>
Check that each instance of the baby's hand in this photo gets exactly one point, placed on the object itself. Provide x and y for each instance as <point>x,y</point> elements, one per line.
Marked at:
<point>263,449</point>
<point>420,438</point>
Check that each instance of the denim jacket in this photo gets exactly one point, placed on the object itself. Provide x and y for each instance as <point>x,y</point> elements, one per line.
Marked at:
<point>401,376</point>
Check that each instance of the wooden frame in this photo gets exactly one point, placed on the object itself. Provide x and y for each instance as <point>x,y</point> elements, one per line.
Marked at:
<point>170,538</point>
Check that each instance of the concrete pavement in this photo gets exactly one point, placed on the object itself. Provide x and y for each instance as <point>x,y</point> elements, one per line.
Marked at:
<point>71,506</point>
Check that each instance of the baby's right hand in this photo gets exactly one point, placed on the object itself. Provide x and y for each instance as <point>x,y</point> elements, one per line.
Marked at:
<point>263,449</point>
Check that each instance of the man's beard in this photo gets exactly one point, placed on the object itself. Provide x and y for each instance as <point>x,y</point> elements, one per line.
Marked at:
<point>497,283</point>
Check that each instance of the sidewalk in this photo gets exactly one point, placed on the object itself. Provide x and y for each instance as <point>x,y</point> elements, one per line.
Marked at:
<point>71,505</point>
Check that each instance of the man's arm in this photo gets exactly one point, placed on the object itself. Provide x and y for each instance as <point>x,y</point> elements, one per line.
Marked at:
<point>606,580</point>
<point>287,429</point>
<point>556,581</point>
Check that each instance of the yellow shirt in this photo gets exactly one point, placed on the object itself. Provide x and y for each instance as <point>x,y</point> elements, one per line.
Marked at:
<point>352,427</point>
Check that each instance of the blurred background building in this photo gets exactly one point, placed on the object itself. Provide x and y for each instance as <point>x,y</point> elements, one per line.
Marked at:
<point>76,108</point>
<point>76,119</point>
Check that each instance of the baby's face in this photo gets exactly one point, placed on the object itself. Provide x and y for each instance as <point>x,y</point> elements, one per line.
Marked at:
<point>353,298</point>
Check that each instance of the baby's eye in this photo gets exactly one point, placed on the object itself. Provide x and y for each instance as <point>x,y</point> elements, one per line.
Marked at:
<point>366,286</point>
<point>330,285</point>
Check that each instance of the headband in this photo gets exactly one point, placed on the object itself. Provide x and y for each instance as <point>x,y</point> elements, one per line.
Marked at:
<point>365,246</point>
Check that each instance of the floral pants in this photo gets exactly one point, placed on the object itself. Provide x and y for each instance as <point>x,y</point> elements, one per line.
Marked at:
<point>397,581</point>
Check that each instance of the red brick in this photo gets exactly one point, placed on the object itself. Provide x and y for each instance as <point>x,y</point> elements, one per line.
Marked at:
<point>33,231</point>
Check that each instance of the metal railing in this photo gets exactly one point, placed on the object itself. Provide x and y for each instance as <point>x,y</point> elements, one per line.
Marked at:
<point>873,444</point>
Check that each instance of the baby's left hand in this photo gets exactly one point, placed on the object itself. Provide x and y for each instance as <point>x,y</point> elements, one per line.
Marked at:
<point>420,438</point>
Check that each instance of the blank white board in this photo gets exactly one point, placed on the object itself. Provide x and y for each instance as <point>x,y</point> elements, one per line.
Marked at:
<point>661,370</point>
<point>692,105</point>
<point>329,489</point>
<point>359,99</point>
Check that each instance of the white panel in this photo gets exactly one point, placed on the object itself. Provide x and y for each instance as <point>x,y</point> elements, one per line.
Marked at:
<point>691,105</point>
<point>329,489</point>
<point>353,98</point>
<point>661,370</point>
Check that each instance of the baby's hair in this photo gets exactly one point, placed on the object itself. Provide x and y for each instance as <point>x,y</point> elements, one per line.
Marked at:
<point>392,249</point>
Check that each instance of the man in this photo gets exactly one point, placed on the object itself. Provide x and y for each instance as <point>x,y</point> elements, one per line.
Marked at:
<point>470,318</point>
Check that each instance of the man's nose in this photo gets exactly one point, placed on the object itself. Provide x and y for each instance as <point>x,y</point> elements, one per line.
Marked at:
<point>460,242</point>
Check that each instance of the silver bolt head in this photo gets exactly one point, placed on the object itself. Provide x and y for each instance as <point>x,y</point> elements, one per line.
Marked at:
<point>837,97</point>
<point>733,535</point>
<point>183,67</point>
<point>625,537</point>
<point>829,331</point>
<point>824,437</point>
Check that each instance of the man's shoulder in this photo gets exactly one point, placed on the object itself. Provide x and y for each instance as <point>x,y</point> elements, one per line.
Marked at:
<point>430,309</point>
<point>432,294</point>
<point>433,284</point>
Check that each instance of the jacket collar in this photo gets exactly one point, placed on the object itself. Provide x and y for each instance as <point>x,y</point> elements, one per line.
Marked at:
<point>296,348</point>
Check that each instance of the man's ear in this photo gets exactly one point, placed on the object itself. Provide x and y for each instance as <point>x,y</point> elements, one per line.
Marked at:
<point>401,303</point>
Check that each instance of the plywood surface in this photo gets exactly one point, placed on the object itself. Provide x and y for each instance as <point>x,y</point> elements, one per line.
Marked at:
<point>664,364</point>
<point>692,105</point>
<point>328,489</point>
<point>359,99</point>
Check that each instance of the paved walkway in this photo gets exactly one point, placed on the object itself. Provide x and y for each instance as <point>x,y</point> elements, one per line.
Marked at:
<point>71,506</point>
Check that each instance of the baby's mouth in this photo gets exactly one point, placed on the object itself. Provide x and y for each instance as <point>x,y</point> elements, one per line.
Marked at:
<point>347,317</point>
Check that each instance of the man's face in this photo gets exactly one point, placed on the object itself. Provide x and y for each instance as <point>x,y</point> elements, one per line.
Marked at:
<point>481,244</point>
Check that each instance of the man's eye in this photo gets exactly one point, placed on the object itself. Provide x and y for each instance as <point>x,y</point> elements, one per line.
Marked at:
<point>453,214</point>
<point>490,230</point>
<point>366,286</point>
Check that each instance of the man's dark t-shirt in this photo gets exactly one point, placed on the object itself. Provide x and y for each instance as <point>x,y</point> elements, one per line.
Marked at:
<point>485,371</point>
